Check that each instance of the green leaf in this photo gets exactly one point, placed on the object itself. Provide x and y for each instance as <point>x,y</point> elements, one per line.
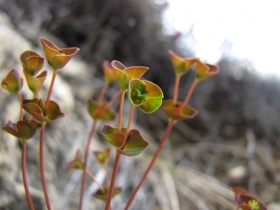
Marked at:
<point>53,111</point>
<point>204,71</point>
<point>114,136</point>
<point>32,62</point>
<point>12,82</point>
<point>56,57</point>
<point>181,65</point>
<point>102,195</point>
<point>25,130</point>
<point>135,144</point>
<point>178,111</point>
<point>137,92</point>
<point>150,105</point>
<point>100,112</point>
<point>11,129</point>
<point>102,156</point>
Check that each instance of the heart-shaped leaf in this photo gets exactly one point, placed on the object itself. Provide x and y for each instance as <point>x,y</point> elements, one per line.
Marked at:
<point>102,194</point>
<point>100,111</point>
<point>178,111</point>
<point>12,82</point>
<point>102,156</point>
<point>114,136</point>
<point>135,144</point>
<point>181,65</point>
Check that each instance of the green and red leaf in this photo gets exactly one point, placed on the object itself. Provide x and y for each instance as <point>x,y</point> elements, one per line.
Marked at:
<point>114,136</point>
<point>135,144</point>
<point>12,82</point>
<point>100,111</point>
<point>102,194</point>
<point>179,111</point>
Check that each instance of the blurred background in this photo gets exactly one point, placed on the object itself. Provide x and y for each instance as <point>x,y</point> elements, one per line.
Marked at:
<point>233,141</point>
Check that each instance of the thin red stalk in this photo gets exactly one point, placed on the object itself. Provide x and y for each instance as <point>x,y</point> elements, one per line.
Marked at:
<point>113,180</point>
<point>176,88</point>
<point>41,153</point>
<point>20,106</point>
<point>102,93</point>
<point>24,177</point>
<point>116,96</point>
<point>190,92</point>
<point>85,164</point>
<point>23,163</point>
<point>94,179</point>
<point>130,118</point>
<point>42,173</point>
<point>121,111</point>
<point>107,176</point>
<point>163,139</point>
<point>50,90</point>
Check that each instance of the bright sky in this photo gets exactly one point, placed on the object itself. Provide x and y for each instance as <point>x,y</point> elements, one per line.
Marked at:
<point>252,26</point>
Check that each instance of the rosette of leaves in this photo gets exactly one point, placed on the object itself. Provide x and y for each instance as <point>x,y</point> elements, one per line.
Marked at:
<point>204,70</point>
<point>12,82</point>
<point>179,111</point>
<point>145,95</point>
<point>246,201</point>
<point>57,57</point>
<point>125,74</point>
<point>130,144</point>
<point>102,156</point>
<point>102,194</point>
<point>181,65</point>
<point>23,129</point>
<point>77,162</point>
<point>99,111</point>
<point>36,107</point>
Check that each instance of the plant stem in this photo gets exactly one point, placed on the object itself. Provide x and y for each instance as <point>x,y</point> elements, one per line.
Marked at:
<point>113,99</point>
<point>50,90</point>
<point>130,119</point>
<point>23,163</point>
<point>20,106</point>
<point>94,179</point>
<point>176,88</point>
<point>113,179</point>
<point>24,177</point>
<point>107,176</point>
<point>42,173</point>
<point>163,139</point>
<point>85,163</point>
<point>190,92</point>
<point>102,93</point>
<point>121,111</point>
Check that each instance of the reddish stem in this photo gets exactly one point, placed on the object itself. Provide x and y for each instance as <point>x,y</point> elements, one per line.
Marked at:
<point>130,119</point>
<point>163,139</point>
<point>190,92</point>
<point>176,88</point>
<point>116,96</point>
<point>85,164</point>
<point>121,111</point>
<point>42,173</point>
<point>20,106</point>
<point>94,179</point>
<point>24,177</point>
<point>107,176</point>
<point>50,91</point>
<point>113,180</point>
<point>102,93</point>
